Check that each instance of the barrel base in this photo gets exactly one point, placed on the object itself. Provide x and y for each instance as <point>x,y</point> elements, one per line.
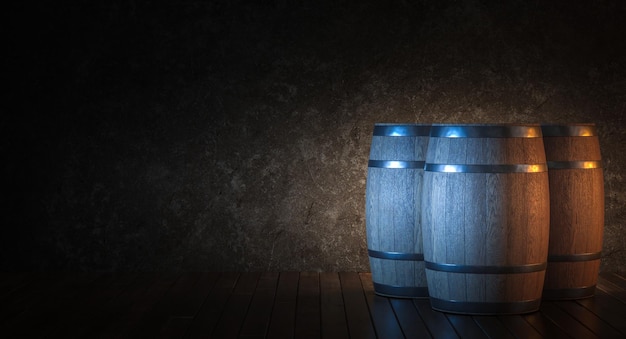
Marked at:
<point>569,293</point>
<point>400,291</point>
<point>485,308</point>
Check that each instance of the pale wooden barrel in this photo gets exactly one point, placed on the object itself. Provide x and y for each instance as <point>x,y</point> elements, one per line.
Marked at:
<point>576,210</point>
<point>485,218</point>
<point>392,213</point>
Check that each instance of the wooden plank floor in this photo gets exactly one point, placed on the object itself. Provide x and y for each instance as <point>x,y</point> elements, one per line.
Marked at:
<point>273,305</point>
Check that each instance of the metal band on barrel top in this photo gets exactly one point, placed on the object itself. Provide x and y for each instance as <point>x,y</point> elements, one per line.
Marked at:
<point>395,255</point>
<point>569,130</point>
<point>401,130</point>
<point>515,168</point>
<point>574,164</point>
<point>454,268</point>
<point>486,131</point>
<point>395,164</point>
<point>574,257</point>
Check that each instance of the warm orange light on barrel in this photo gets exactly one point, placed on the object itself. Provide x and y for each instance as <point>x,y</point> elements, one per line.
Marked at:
<point>576,210</point>
<point>485,218</point>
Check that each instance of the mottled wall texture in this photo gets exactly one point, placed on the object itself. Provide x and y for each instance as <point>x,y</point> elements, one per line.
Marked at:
<point>234,135</point>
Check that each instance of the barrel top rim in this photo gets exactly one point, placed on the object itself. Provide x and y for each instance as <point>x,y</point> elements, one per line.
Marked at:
<point>401,130</point>
<point>503,124</point>
<point>400,124</point>
<point>569,124</point>
<point>486,130</point>
<point>569,130</point>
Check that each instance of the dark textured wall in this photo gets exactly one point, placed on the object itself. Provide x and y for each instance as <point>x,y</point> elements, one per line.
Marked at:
<point>234,135</point>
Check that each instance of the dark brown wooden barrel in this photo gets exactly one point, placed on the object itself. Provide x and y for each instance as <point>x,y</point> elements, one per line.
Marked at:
<point>576,210</point>
<point>485,218</point>
<point>392,212</point>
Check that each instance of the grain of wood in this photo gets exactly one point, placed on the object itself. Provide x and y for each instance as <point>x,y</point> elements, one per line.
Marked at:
<point>589,319</point>
<point>498,219</point>
<point>308,320</point>
<point>333,315</point>
<point>393,212</point>
<point>412,324</point>
<point>283,321</point>
<point>213,307</point>
<point>607,307</point>
<point>346,300</point>
<point>236,309</point>
<point>260,310</point>
<point>466,326</point>
<point>436,322</point>
<point>520,327</point>
<point>576,216</point>
<point>566,322</point>
<point>384,319</point>
<point>357,313</point>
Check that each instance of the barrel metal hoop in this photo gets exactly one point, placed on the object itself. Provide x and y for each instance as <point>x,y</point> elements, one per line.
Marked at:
<point>400,291</point>
<point>568,293</point>
<point>454,268</point>
<point>569,130</point>
<point>574,164</point>
<point>512,168</point>
<point>395,255</point>
<point>485,308</point>
<point>401,130</point>
<point>485,131</point>
<point>396,164</point>
<point>574,257</point>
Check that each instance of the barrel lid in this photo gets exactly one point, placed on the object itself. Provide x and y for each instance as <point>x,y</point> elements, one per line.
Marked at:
<point>486,130</point>
<point>401,130</point>
<point>569,130</point>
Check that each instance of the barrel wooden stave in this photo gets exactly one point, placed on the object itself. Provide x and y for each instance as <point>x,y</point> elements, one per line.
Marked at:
<point>485,288</point>
<point>393,215</point>
<point>398,148</point>
<point>402,274</point>
<point>577,217</point>
<point>571,280</point>
<point>392,224</point>
<point>473,219</point>
<point>572,148</point>
<point>477,220</point>
<point>505,151</point>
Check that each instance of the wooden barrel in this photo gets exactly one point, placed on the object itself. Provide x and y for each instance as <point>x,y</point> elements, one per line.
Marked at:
<point>392,212</point>
<point>576,210</point>
<point>485,218</point>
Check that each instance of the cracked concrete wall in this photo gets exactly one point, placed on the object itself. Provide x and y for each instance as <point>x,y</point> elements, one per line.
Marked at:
<point>235,136</point>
